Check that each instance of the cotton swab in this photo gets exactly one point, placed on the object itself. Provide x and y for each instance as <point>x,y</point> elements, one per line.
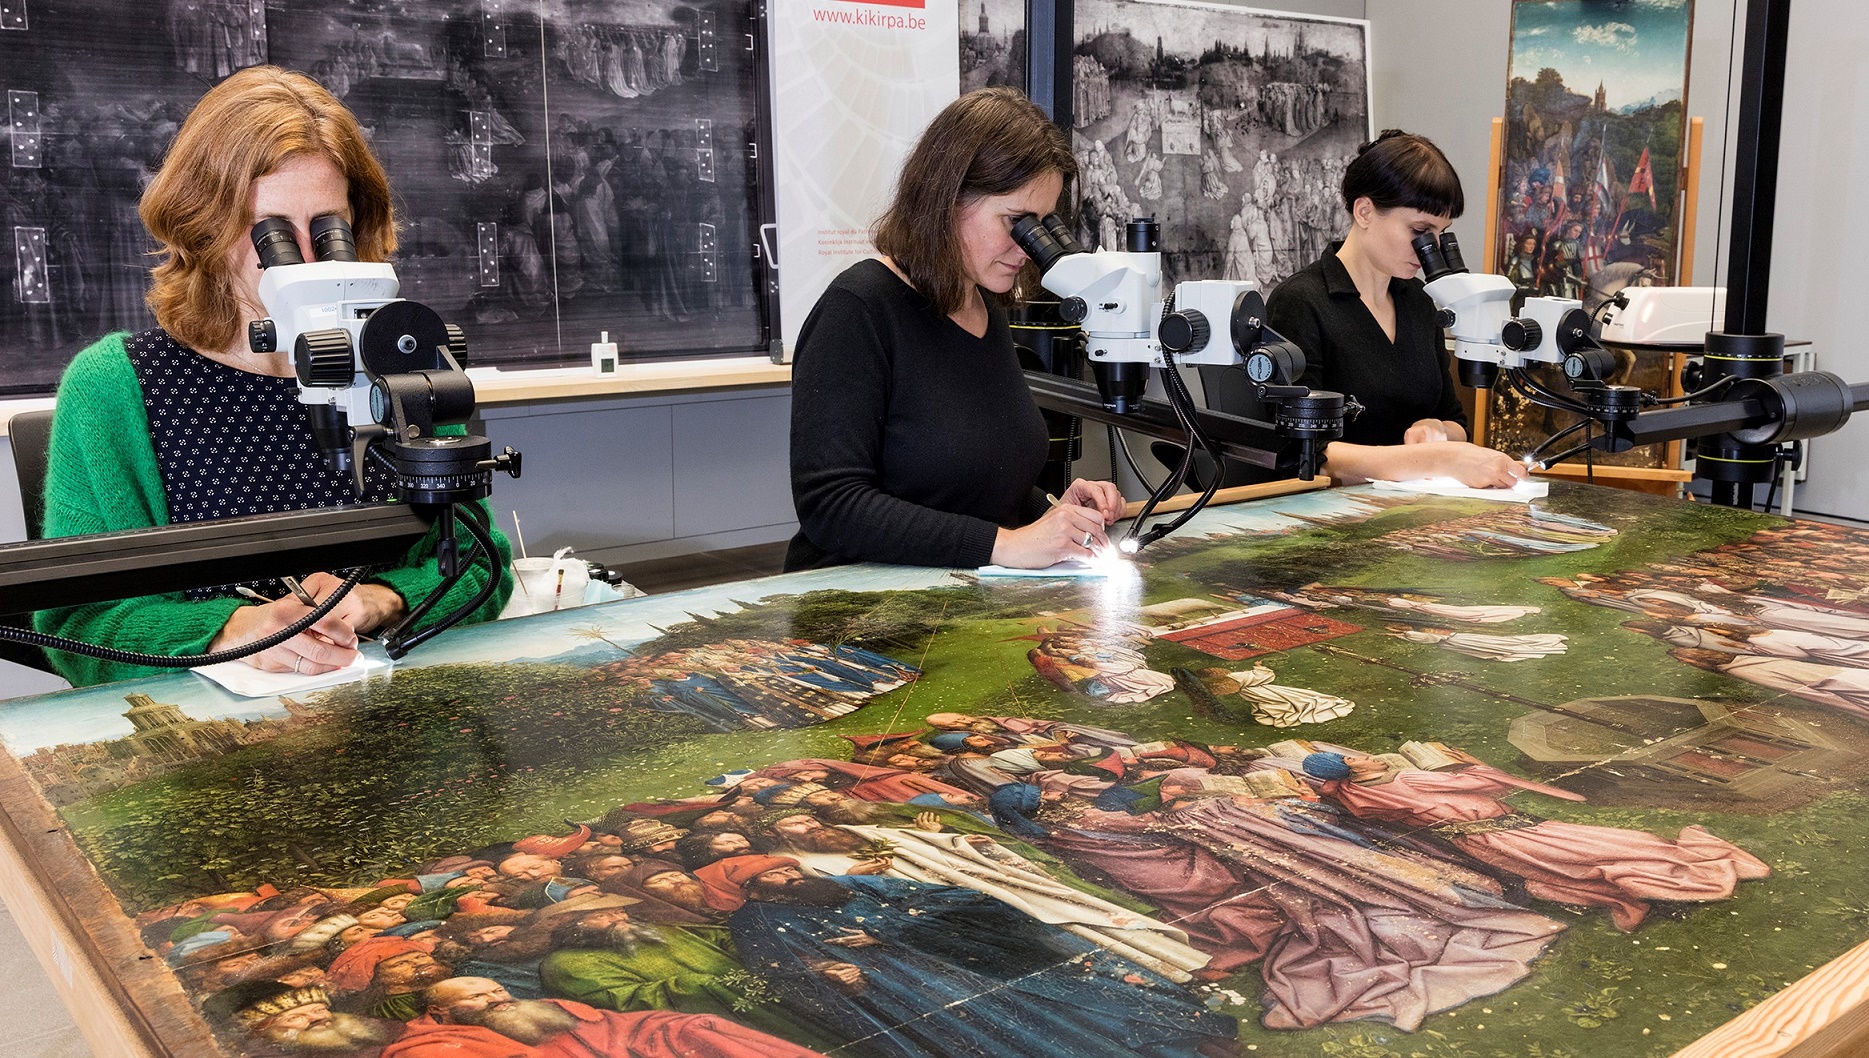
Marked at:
<point>519,534</point>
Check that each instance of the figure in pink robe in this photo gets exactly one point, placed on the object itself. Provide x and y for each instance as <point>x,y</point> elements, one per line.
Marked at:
<point>1570,863</point>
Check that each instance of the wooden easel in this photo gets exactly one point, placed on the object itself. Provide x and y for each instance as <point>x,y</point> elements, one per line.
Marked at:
<point>1664,480</point>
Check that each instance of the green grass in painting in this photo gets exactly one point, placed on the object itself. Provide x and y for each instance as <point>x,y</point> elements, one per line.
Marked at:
<point>450,757</point>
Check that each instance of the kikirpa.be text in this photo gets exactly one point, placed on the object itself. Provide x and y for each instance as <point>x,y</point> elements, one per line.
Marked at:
<point>869,18</point>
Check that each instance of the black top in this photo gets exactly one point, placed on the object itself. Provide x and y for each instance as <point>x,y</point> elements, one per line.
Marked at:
<point>1399,382</point>
<point>231,443</point>
<point>912,440</point>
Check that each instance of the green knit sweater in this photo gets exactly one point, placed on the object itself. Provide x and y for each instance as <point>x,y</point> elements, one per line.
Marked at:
<point>102,477</point>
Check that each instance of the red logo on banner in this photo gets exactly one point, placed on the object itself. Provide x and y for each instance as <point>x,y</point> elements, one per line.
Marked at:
<point>891,3</point>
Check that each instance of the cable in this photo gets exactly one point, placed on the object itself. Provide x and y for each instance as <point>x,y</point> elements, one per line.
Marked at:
<point>1117,440</point>
<point>1718,383</point>
<point>469,516</point>
<point>1556,437</point>
<point>1589,454</point>
<point>184,661</point>
<point>1530,388</point>
<point>1778,474</point>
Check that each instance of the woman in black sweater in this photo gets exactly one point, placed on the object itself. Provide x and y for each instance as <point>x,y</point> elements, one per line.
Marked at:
<point>1368,329</point>
<point>914,437</point>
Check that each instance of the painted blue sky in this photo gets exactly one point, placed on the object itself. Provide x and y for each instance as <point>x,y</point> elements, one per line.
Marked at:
<point>1635,48</point>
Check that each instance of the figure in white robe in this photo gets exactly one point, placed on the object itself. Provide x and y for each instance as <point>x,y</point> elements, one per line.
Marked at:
<point>1487,647</point>
<point>1279,706</point>
<point>1770,642</point>
<point>1833,685</point>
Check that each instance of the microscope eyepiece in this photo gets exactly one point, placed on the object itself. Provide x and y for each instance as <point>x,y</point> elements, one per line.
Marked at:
<point>332,240</point>
<point>276,243</point>
<point>1061,232</point>
<point>1040,238</point>
<point>1450,249</point>
<point>1440,255</point>
<point>1433,262</point>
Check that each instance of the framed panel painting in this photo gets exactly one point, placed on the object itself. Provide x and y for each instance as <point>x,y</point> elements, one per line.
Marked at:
<point>1231,126</point>
<point>1590,201</point>
<point>558,168</point>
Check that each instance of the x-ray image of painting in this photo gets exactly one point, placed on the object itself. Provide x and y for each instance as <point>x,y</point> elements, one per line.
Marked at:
<point>560,169</point>
<point>992,44</point>
<point>1230,126</point>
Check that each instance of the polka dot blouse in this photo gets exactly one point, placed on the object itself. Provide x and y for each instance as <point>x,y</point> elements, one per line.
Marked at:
<point>231,443</point>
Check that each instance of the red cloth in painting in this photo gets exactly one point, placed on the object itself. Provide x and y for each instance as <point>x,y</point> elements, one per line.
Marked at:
<point>1570,863</point>
<point>428,1038</point>
<point>725,880</point>
<point>601,1034</point>
<point>874,783</point>
<point>353,970</point>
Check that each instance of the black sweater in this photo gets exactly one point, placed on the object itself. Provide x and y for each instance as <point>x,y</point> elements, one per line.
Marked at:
<point>912,440</point>
<point>1399,382</point>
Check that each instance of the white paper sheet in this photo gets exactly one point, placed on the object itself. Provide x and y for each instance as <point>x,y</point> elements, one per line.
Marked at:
<point>249,682</point>
<point>1524,492</point>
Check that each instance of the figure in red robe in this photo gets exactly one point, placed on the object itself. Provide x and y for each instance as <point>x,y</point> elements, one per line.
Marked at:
<point>474,1017</point>
<point>1570,863</point>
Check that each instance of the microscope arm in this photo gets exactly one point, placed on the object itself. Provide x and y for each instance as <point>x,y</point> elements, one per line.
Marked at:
<point>1759,411</point>
<point>1250,441</point>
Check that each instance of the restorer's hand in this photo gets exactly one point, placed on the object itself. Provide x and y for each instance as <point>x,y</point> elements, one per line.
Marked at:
<point>1066,531</point>
<point>329,644</point>
<point>1101,496</point>
<point>1476,467</point>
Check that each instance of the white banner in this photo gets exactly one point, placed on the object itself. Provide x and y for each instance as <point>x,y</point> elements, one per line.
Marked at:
<point>853,84</point>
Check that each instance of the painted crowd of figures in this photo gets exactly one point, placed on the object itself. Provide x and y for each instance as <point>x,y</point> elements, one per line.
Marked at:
<point>984,885</point>
<point>743,683</point>
<point>1787,610</point>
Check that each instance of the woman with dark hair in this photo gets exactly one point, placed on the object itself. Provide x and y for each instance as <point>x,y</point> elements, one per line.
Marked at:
<point>1368,329</point>
<point>186,422</point>
<point>914,437</point>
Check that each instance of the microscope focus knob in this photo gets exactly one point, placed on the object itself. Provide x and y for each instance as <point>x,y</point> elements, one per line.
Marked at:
<point>262,336</point>
<point>323,358</point>
<point>1446,319</point>
<point>1521,334</point>
<point>1185,331</point>
<point>1073,310</point>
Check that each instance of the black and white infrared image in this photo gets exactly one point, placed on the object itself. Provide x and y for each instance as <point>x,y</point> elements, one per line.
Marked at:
<point>1230,126</point>
<point>992,44</point>
<point>561,167</point>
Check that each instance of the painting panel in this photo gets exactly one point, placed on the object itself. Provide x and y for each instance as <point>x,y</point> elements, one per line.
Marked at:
<point>559,169</point>
<point>691,823</point>
<point>992,45</point>
<point>1230,126</point>
<point>1596,118</point>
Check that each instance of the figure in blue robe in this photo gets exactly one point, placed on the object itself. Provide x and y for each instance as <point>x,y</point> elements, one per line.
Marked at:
<point>949,972</point>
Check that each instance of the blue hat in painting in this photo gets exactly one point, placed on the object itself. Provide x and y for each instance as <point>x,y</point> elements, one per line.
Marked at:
<point>1010,804</point>
<point>1326,766</point>
<point>766,796</point>
<point>949,741</point>
<point>561,887</point>
<point>1541,175</point>
<point>410,929</point>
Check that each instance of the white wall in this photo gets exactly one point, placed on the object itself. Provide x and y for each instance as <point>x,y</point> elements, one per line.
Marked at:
<point>1819,252</point>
